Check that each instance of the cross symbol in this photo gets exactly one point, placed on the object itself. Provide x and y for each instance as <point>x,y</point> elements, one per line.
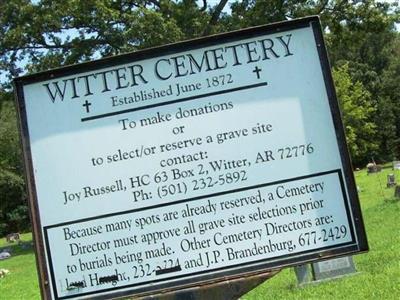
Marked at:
<point>86,105</point>
<point>257,70</point>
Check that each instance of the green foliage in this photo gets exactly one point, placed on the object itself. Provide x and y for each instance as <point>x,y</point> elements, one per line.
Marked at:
<point>13,209</point>
<point>387,118</point>
<point>361,33</point>
<point>13,206</point>
<point>389,105</point>
<point>364,36</point>
<point>54,33</point>
<point>357,112</point>
<point>251,12</point>
<point>10,153</point>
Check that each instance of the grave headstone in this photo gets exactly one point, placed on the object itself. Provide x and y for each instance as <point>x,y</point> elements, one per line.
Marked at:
<point>373,168</point>
<point>333,268</point>
<point>397,191</point>
<point>4,255</point>
<point>25,246</point>
<point>4,272</point>
<point>12,237</point>
<point>396,165</point>
<point>391,181</point>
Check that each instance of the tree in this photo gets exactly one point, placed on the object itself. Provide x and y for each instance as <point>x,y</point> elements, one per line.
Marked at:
<point>388,117</point>
<point>365,38</point>
<point>52,33</point>
<point>13,206</point>
<point>357,112</point>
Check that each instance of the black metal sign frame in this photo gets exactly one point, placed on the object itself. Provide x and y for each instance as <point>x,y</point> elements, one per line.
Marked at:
<point>359,240</point>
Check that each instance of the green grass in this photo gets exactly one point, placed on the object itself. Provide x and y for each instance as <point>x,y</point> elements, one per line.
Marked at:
<point>379,269</point>
<point>22,281</point>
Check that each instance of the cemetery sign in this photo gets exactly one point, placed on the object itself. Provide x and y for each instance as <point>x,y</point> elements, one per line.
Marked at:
<point>189,163</point>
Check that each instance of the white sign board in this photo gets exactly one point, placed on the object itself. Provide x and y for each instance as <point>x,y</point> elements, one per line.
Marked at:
<point>190,162</point>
